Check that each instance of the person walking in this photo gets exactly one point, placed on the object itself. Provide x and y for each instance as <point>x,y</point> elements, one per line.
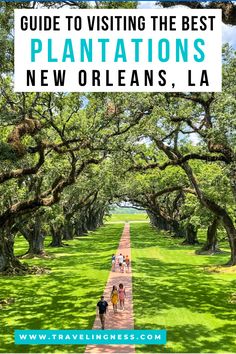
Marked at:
<point>102,308</point>
<point>114,298</point>
<point>113,263</point>
<point>127,261</point>
<point>120,258</point>
<point>122,296</point>
<point>122,268</point>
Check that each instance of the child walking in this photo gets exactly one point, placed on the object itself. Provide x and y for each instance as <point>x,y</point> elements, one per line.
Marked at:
<point>127,261</point>
<point>122,296</point>
<point>122,268</point>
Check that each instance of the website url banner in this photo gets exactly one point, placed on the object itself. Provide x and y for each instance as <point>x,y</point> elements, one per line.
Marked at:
<point>90,337</point>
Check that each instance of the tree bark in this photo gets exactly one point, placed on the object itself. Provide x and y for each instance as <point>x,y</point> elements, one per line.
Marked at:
<point>211,245</point>
<point>81,229</point>
<point>94,220</point>
<point>177,229</point>
<point>35,238</point>
<point>191,235</point>
<point>9,263</point>
<point>68,231</point>
<point>231,232</point>
<point>157,221</point>
<point>56,237</point>
<point>36,244</point>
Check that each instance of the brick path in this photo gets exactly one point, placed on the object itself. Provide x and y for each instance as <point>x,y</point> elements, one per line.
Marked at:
<point>122,319</point>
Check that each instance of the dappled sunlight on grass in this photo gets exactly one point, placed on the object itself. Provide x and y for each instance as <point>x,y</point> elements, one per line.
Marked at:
<point>64,299</point>
<point>173,291</point>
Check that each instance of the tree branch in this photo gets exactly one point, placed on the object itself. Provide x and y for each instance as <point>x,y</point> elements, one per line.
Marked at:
<point>24,171</point>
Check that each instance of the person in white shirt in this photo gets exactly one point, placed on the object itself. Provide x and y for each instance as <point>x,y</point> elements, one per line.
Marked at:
<point>120,259</point>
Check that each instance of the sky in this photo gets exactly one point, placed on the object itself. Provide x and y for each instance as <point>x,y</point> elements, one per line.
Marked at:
<point>228,32</point>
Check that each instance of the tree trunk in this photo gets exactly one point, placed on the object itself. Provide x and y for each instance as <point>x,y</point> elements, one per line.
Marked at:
<point>177,229</point>
<point>191,235</point>
<point>158,221</point>
<point>211,246</point>
<point>68,231</point>
<point>36,244</point>
<point>232,177</point>
<point>81,228</point>
<point>35,238</point>
<point>56,237</point>
<point>231,232</point>
<point>161,223</point>
<point>9,264</point>
<point>93,220</point>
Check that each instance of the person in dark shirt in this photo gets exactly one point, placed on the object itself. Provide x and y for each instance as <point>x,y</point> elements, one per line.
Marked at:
<point>102,308</point>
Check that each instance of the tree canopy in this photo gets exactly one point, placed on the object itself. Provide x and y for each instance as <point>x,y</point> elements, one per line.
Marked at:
<point>66,157</point>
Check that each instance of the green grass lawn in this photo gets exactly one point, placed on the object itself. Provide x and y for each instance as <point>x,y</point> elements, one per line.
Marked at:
<point>64,299</point>
<point>127,218</point>
<point>172,291</point>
